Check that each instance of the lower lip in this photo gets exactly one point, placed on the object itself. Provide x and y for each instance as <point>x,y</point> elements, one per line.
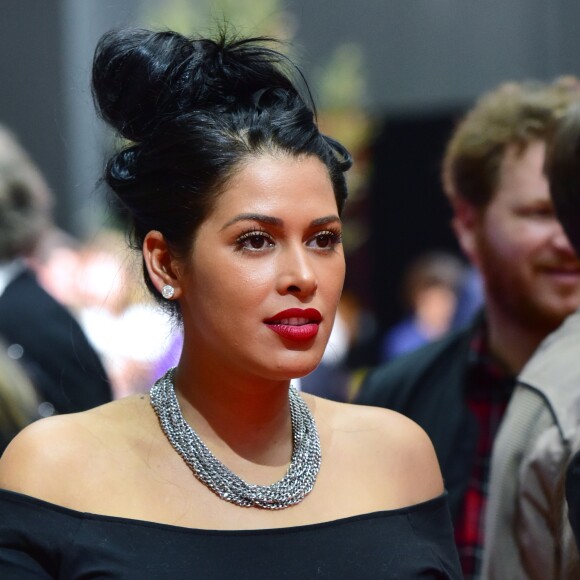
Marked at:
<point>302,332</point>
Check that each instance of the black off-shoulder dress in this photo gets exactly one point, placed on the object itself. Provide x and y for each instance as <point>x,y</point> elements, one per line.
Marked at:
<point>41,540</point>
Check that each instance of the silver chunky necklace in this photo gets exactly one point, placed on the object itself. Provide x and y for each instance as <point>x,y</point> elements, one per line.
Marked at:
<point>291,489</point>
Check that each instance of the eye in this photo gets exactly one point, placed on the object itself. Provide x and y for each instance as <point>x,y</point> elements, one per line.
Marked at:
<point>537,212</point>
<point>254,241</point>
<point>544,213</point>
<point>325,240</point>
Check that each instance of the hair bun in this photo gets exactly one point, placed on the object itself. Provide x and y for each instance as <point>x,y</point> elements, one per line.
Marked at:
<point>142,78</point>
<point>132,82</point>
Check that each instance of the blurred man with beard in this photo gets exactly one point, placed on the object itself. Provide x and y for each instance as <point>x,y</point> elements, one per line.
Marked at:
<point>459,387</point>
<point>528,532</point>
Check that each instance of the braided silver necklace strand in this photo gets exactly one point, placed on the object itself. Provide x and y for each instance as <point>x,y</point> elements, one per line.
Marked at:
<point>290,490</point>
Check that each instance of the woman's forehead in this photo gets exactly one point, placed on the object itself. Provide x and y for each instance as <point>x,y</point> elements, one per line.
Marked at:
<point>275,183</point>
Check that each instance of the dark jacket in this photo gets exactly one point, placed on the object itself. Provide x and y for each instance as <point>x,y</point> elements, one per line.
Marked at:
<point>427,386</point>
<point>62,365</point>
<point>573,496</point>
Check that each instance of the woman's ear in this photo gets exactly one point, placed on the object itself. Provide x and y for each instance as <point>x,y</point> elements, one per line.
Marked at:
<point>161,265</point>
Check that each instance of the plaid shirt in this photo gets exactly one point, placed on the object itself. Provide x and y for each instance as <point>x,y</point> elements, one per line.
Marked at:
<point>488,389</point>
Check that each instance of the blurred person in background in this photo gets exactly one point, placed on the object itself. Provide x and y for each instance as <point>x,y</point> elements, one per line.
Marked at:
<point>469,298</point>
<point>331,378</point>
<point>18,398</point>
<point>100,284</point>
<point>127,328</point>
<point>431,286</point>
<point>55,262</point>
<point>527,530</point>
<point>458,387</point>
<point>564,175</point>
<point>39,331</point>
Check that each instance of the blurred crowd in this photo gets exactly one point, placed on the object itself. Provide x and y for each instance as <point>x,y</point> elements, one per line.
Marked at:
<point>100,282</point>
<point>77,326</point>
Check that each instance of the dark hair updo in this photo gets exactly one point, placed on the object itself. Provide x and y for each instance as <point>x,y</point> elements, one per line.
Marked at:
<point>192,110</point>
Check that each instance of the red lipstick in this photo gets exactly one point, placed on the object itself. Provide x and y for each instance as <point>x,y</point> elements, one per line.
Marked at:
<point>295,323</point>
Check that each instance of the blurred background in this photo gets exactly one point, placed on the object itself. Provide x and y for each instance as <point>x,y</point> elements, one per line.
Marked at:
<point>390,78</point>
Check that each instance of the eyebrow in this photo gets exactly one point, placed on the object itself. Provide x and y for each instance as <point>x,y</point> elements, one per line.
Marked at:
<point>274,221</point>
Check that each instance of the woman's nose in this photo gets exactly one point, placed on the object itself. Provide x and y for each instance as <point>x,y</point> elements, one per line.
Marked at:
<point>297,273</point>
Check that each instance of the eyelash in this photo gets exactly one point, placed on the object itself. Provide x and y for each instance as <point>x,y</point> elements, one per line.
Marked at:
<point>246,236</point>
<point>334,236</point>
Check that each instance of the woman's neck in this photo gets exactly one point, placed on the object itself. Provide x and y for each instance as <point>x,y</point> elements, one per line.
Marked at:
<point>243,415</point>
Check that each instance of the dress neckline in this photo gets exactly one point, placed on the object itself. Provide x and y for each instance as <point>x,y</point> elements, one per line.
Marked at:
<point>428,505</point>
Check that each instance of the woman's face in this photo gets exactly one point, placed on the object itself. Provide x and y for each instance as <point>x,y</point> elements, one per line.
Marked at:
<point>260,289</point>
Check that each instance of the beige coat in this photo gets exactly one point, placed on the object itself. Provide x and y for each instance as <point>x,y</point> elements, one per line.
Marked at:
<point>527,531</point>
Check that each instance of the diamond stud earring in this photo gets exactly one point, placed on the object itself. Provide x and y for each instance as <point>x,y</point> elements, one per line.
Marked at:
<point>168,292</point>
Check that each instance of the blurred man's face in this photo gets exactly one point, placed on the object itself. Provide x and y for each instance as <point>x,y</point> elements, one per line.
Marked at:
<point>530,271</point>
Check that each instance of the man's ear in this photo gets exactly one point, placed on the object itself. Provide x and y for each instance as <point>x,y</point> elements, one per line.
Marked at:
<point>161,265</point>
<point>466,224</point>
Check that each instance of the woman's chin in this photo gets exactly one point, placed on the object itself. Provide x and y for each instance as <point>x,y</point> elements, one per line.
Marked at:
<point>293,365</point>
<point>298,372</point>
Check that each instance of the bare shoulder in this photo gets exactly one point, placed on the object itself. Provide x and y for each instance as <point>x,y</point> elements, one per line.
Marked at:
<point>40,460</point>
<point>385,432</point>
<point>393,450</point>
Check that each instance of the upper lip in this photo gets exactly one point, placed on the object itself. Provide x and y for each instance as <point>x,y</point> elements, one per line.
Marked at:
<point>304,316</point>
